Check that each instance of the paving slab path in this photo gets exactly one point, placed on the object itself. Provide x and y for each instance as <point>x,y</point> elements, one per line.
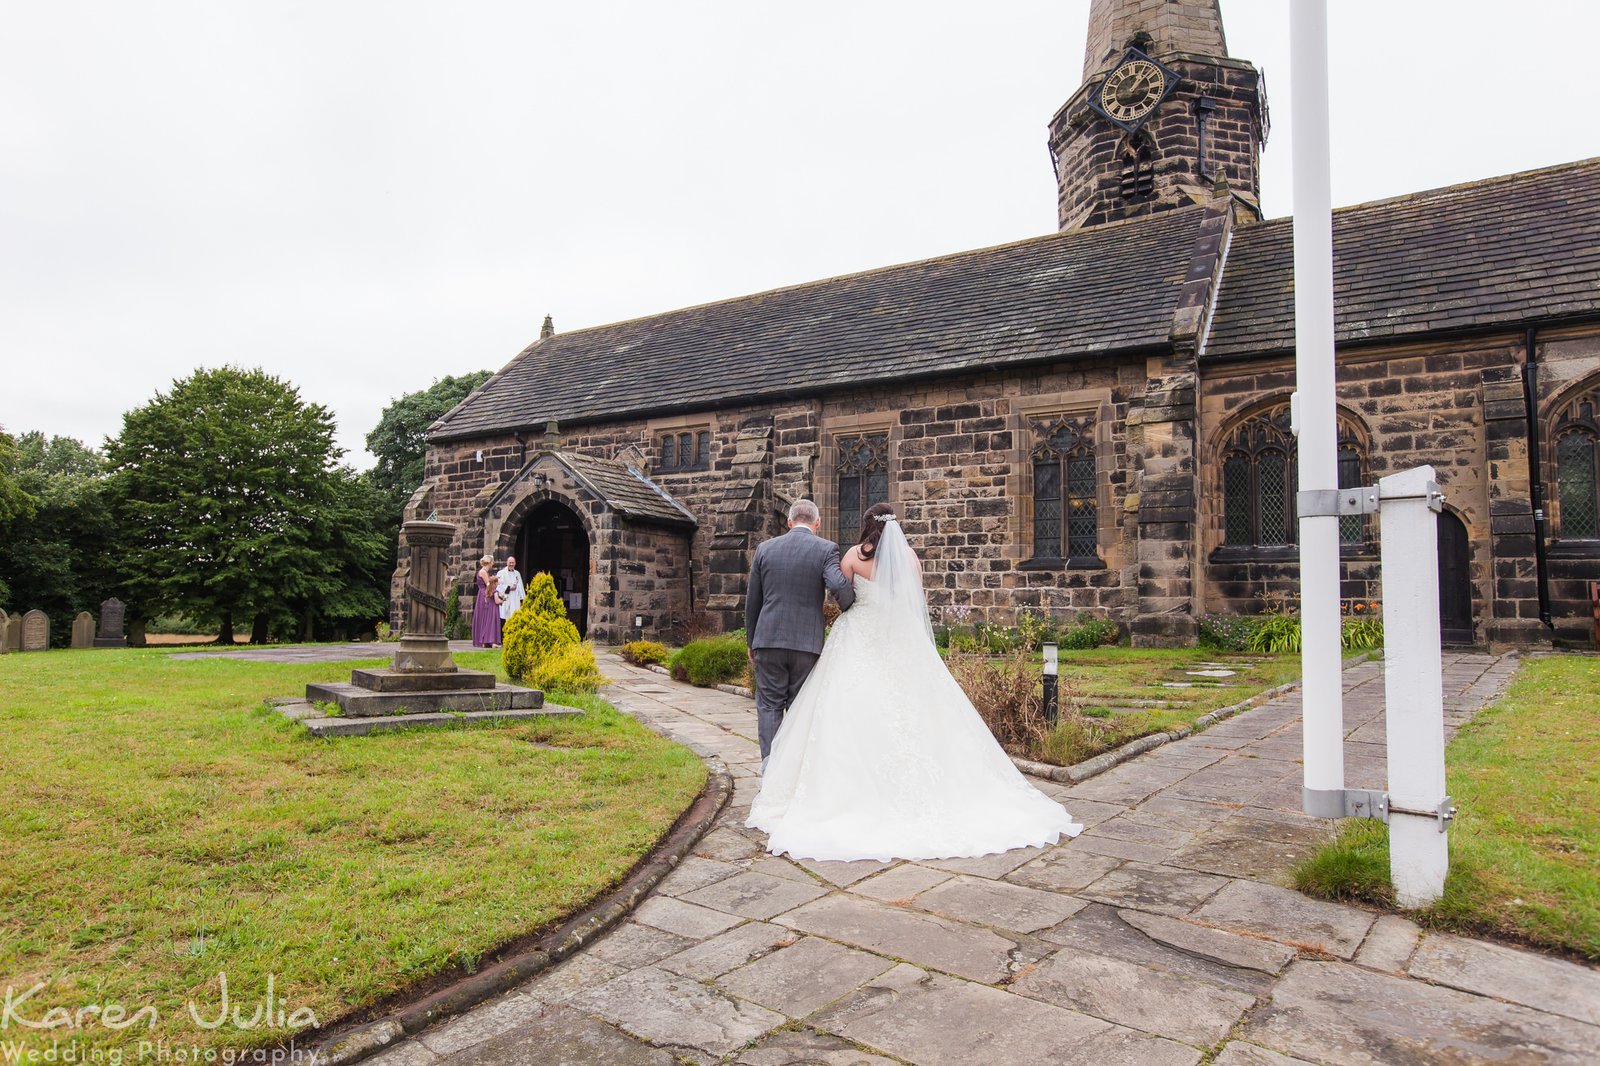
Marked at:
<point>1163,935</point>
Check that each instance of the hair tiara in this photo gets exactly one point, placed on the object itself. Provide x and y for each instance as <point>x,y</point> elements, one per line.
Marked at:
<point>885,517</point>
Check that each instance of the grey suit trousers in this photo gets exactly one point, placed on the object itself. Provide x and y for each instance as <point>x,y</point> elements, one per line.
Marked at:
<point>779,674</point>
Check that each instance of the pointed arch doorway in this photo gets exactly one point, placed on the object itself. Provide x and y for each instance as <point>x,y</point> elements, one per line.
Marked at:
<point>552,541</point>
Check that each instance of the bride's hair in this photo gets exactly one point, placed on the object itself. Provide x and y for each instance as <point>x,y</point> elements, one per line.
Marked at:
<point>872,528</point>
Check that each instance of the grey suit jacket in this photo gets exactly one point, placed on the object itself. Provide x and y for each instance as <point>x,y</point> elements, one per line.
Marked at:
<point>783,605</point>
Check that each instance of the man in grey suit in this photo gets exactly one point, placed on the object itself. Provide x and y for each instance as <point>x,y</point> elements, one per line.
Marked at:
<point>783,613</point>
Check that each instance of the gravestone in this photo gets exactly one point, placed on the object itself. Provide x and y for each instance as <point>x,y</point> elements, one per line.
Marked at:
<point>5,632</point>
<point>35,631</point>
<point>83,630</point>
<point>112,613</point>
<point>14,632</point>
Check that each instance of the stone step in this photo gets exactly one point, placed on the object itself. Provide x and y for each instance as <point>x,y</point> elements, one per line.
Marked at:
<point>352,727</point>
<point>388,679</point>
<point>354,702</point>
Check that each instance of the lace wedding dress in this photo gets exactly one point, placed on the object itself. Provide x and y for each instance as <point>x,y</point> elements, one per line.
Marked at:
<point>882,756</point>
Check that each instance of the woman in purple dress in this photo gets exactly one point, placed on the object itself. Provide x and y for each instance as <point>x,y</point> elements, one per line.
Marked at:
<point>485,612</point>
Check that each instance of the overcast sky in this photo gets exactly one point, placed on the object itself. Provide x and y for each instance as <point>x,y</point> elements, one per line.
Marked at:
<point>362,197</point>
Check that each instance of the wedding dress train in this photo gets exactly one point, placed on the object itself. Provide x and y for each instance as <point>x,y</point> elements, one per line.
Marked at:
<point>882,756</point>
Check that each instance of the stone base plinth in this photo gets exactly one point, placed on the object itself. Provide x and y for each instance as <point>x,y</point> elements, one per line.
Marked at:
<point>387,679</point>
<point>318,725</point>
<point>1165,631</point>
<point>423,655</point>
<point>355,701</point>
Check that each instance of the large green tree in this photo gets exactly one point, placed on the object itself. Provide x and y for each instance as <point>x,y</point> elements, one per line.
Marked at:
<point>232,506</point>
<point>62,557</point>
<point>399,441</point>
<point>15,503</point>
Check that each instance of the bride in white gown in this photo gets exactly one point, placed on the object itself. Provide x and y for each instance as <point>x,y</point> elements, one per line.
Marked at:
<point>881,755</point>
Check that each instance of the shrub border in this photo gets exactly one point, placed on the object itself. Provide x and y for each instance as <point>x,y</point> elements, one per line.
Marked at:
<point>350,1044</point>
<point>1082,771</point>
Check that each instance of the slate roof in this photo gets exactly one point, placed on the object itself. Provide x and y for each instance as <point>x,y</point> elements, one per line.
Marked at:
<point>1490,254</point>
<point>1066,295</point>
<point>625,490</point>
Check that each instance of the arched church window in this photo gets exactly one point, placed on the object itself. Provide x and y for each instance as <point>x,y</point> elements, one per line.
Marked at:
<point>1066,512</point>
<point>1138,180</point>
<point>1577,455</point>
<point>1260,478</point>
<point>863,480</point>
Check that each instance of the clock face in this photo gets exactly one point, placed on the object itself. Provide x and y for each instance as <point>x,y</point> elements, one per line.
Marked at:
<point>1133,90</point>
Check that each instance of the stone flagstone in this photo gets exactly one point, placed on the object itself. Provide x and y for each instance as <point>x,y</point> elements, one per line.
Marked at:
<point>802,978</point>
<point>1136,996</point>
<point>934,1020</point>
<point>979,954</point>
<point>1287,917</point>
<point>1523,977</point>
<point>728,951</point>
<point>666,1008</point>
<point>808,1047</point>
<point>1226,948</point>
<point>753,895</point>
<point>1346,1016</point>
<point>996,903</point>
<point>1059,954</point>
<point>685,919</point>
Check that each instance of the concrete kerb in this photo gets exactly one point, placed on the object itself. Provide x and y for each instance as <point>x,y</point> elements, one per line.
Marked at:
<point>1082,771</point>
<point>356,1042</point>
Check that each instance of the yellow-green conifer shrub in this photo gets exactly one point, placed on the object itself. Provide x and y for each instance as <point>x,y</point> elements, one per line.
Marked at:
<point>568,668</point>
<point>539,628</point>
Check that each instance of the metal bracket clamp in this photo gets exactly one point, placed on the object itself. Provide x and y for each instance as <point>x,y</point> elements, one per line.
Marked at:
<point>1334,503</point>
<point>1445,812</point>
<point>1345,803</point>
<point>1430,492</point>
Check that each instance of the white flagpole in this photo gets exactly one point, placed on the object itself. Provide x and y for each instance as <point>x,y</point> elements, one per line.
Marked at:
<point>1316,422</point>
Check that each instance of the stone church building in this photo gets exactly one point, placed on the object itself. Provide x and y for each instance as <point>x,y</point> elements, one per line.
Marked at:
<point>1090,421</point>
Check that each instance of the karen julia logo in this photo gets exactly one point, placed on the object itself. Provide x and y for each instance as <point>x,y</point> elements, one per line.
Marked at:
<point>28,1009</point>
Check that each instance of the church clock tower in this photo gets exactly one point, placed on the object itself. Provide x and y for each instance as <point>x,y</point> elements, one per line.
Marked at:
<point>1163,115</point>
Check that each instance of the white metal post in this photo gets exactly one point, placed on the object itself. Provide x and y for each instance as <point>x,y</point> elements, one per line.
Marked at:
<point>1413,686</point>
<point>1316,422</point>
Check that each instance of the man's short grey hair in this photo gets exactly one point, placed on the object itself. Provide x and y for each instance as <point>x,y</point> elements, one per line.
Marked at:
<point>804,512</point>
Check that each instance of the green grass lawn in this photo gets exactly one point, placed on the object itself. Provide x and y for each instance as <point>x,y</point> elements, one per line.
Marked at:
<point>1094,681</point>
<point>161,827</point>
<point>1525,846</point>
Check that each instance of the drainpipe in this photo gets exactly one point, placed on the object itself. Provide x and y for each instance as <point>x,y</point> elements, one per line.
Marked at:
<point>1530,396</point>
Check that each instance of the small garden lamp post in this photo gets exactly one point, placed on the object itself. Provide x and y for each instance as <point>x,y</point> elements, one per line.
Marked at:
<point>1052,697</point>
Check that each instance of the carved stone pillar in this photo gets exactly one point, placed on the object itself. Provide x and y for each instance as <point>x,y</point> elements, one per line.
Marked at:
<point>424,648</point>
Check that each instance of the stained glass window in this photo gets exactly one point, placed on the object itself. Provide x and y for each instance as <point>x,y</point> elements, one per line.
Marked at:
<point>1083,530</point>
<point>1576,485</point>
<point>1259,481</point>
<point>863,480</point>
<point>1066,513</point>
<point>1351,526</point>
<point>1047,508</point>
<point>1236,502</point>
<point>1272,498</point>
